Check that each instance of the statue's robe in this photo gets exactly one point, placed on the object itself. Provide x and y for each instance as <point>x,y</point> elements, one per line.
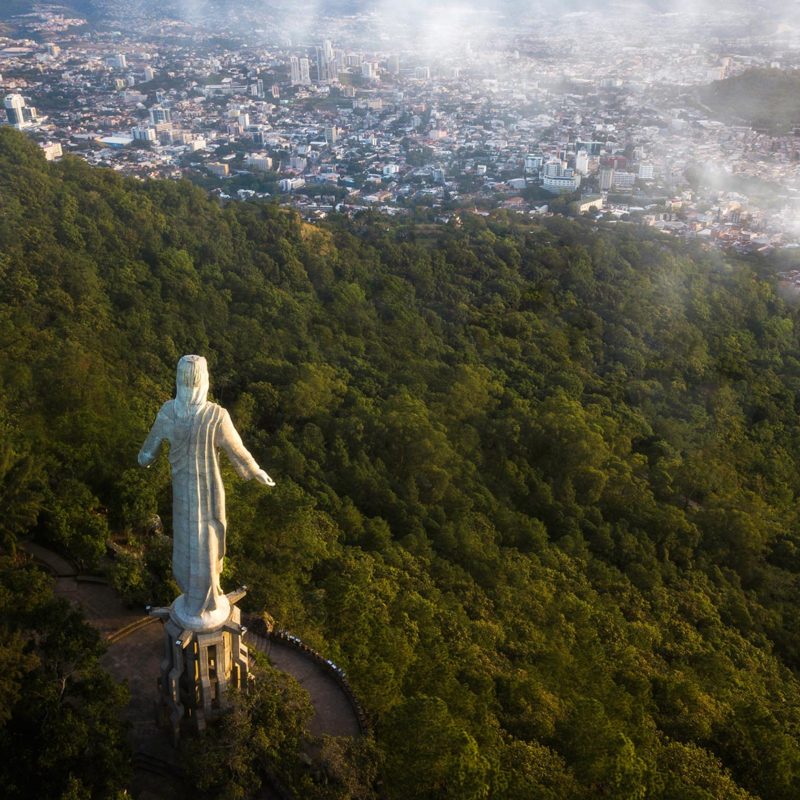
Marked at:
<point>198,496</point>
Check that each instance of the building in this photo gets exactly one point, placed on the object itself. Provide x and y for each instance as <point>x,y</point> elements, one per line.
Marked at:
<point>217,168</point>
<point>260,162</point>
<point>590,203</point>
<point>143,133</point>
<point>294,71</point>
<point>148,74</point>
<point>533,163</point>
<point>290,184</point>
<point>554,168</point>
<point>326,62</point>
<point>299,69</point>
<point>18,113</point>
<point>331,134</point>
<point>582,162</point>
<point>606,179</point>
<point>368,70</point>
<point>623,180</point>
<point>647,172</point>
<point>118,61</point>
<point>159,114</point>
<point>561,183</point>
<point>52,150</point>
<point>116,142</point>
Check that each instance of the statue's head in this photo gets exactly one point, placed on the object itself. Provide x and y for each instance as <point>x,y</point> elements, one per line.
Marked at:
<point>191,384</point>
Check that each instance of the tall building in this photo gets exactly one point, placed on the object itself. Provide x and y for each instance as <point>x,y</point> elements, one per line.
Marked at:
<point>332,134</point>
<point>554,168</point>
<point>582,162</point>
<point>294,70</point>
<point>159,114</point>
<point>19,114</point>
<point>118,61</point>
<point>142,133</point>
<point>606,179</point>
<point>305,72</point>
<point>533,162</point>
<point>326,63</point>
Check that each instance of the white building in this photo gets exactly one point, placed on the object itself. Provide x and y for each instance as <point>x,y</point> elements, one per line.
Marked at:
<point>19,114</point>
<point>554,168</point>
<point>143,133</point>
<point>290,184</point>
<point>561,183</point>
<point>533,163</point>
<point>260,162</point>
<point>582,162</point>
<point>52,150</point>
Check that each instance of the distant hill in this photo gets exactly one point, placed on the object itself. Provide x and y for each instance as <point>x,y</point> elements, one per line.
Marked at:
<point>765,98</point>
<point>12,8</point>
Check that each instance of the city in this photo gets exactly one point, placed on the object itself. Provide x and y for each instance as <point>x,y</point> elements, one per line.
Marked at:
<point>529,122</point>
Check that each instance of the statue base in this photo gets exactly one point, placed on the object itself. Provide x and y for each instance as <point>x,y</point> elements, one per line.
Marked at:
<point>207,621</point>
<point>198,668</point>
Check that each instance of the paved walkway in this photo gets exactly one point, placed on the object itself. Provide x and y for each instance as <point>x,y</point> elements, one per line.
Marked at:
<point>51,561</point>
<point>334,714</point>
<point>134,653</point>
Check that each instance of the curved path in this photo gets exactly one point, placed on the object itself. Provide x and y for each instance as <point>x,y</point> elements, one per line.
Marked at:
<point>135,647</point>
<point>334,714</point>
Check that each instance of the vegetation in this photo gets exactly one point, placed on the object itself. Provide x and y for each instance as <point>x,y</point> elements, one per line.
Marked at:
<point>764,98</point>
<point>60,728</point>
<point>537,483</point>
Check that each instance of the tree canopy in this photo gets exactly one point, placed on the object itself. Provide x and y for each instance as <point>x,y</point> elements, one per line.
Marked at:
<point>537,482</point>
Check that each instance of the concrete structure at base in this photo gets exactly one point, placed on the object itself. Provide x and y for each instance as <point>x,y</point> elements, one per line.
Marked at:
<point>199,667</point>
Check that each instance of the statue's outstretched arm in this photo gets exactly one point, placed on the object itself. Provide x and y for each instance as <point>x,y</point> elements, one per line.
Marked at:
<point>152,444</point>
<point>244,464</point>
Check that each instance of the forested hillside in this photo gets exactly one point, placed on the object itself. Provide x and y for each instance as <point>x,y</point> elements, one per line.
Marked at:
<point>765,98</point>
<point>537,483</point>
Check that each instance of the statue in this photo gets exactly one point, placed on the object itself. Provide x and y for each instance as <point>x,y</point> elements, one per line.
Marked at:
<point>196,430</point>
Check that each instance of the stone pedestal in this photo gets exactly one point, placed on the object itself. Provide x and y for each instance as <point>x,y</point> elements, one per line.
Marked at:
<point>199,666</point>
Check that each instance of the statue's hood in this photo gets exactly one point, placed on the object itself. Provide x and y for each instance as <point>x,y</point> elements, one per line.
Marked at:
<point>191,384</point>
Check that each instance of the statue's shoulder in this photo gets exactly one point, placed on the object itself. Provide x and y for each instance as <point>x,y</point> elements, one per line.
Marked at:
<point>167,410</point>
<point>216,411</point>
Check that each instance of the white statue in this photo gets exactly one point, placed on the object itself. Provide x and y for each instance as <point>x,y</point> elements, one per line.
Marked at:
<point>196,430</point>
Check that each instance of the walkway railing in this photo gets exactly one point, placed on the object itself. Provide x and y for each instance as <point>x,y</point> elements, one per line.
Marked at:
<point>260,627</point>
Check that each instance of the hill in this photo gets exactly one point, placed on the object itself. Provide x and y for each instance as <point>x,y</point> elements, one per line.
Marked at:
<point>764,98</point>
<point>537,483</point>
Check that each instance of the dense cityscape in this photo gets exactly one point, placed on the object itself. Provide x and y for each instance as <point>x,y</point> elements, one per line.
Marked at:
<point>553,119</point>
